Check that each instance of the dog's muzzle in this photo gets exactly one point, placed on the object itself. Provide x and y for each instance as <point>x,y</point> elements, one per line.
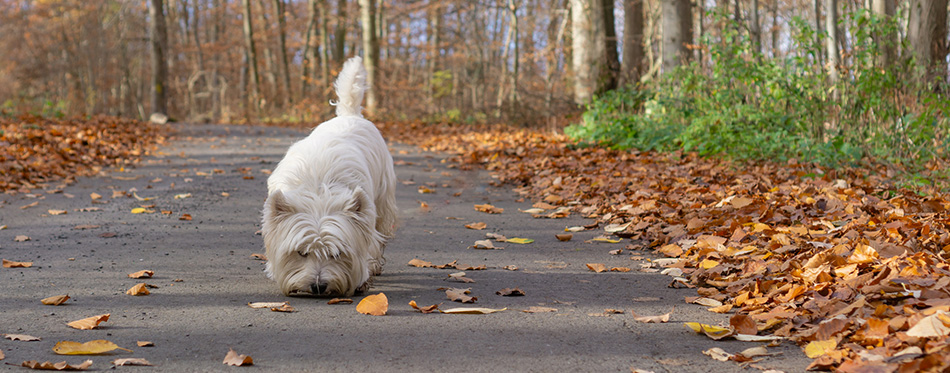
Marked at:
<point>319,288</point>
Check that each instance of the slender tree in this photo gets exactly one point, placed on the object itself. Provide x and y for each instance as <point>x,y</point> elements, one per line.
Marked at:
<point>588,48</point>
<point>282,45</point>
<point>632,41</point>
<point>886,41</point>
<point>159,40</point>
<point>250,55</point>
<point>677,20</point>
<point>370,51</point>
<point>927,33</point>
<point>831,43</point>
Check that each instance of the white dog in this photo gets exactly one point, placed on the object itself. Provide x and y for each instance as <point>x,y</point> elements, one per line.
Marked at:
<point>331,201</point>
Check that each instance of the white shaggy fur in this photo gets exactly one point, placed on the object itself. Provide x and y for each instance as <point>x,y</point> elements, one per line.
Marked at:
<point>331,204</point>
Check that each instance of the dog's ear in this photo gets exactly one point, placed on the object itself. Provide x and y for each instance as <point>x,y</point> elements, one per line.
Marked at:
<point>277,205</point>
<point>358,201</point>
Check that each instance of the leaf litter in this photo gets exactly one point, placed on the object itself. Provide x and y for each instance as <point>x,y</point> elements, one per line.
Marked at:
<point>790,245</point>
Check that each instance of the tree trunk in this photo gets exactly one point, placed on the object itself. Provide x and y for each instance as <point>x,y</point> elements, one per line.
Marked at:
<point>817,5</point>
<point>309,51</point>
<point>927,33</point>
<point>632,41</point>
<point>324,46</point>
<point>831,44</point>
<point>339,36</point>
<point>282,44</point>
<point>756,28</point>
<point>159,38</point>
<point>886,43</point>
<point>435,18</point>
<point>610,40</point>
<point>506,73</point>
<point>251,55</point>
<point>588,48</point>
<point>370,51</point>
<point>677,21</point>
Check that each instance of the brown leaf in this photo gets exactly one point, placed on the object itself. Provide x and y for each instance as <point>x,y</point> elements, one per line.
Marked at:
<point>12,264</point>
<point>376,305</point>
<point>258,256</point>
<point>564,237</point>
<point>85,226</point>
<point>21,238</point>
<point>145,344</point>
<point>145,273</point>
<point>233,359</point>
<point>56,212</point>
<point>107,235</point>
<point>597,267</point>
<point>284,308</point>
<point>459,295</point>
<point>510,292</point>
<point>743,324</point>
<point>619,269</point>
<point>46,365</point>
<point>186,217</point>
<point>55,300</point>
<point>539,309</point>
<point>653,319</point>
<point>476,226</point>
<point>131,361</point>
<point>21,337</point>
<point>427,309</point>
<point>89,322</point>
<point>340,300</point>
<point>420,263</point>
<point>488,208</point>
<point>138,289</point>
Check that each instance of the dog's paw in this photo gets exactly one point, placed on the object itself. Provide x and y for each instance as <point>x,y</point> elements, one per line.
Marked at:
<point>365,287</point>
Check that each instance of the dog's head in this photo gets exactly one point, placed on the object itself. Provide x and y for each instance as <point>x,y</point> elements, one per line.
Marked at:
<point>320,243</point>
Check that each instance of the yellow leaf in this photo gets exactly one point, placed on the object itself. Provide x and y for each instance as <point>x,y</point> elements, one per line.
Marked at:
<point>596,267</point>
<point>708,329</point>
<point>96,347</point>
<point>605,239</point>
<point>138,210</point>
<point>476,226</point>
<point>375,305</point>
<point>473,311</point>
<point>520,240</point>
<point>55,301</point>
<point>138,289</point>
<point>56,212</point>
<point>488,208</point>
<point>12,264</point>
<point>815,349</point>
<point>708,263</point>
<point>232,358</point>
<point>183,196</point>
<point>89,322</point>
<point>142,274</point>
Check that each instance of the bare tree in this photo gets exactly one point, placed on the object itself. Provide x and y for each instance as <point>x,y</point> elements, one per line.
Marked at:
<point>250,55</point>
<point>339,34</point>
<point>886,42</point>
<point>159,40</point>
<point>370,51</point>
<point>677,20</point>
<point>831,43</point>
<point>282,45</point>
<point>588,48</point>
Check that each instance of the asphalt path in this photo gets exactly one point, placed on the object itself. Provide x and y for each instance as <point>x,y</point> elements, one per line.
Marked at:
<point>205,277</point>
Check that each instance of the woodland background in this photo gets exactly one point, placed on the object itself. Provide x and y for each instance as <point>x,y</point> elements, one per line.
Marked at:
<point>824,80</point>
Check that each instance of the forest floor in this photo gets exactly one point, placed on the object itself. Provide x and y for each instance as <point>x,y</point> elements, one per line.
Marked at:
<point>788,256</point>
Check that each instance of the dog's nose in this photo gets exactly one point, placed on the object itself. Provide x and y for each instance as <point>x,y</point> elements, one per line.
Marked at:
<point>318,288</point>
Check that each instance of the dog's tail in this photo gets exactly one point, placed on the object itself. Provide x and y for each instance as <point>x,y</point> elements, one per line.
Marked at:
<point>350,86</point>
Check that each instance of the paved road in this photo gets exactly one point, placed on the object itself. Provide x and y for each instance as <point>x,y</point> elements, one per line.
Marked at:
<point>205,277</point>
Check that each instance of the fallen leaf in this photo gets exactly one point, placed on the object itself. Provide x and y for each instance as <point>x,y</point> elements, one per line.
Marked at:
<point>284,308</point>
<point>460,277</point>
<point>606,240</point>
<point>34,204</point>
<point>376,305</point>
<point>21,337</point>
<point>420,263</point>
<point>46,365</point>
<point>472,311</point>
<point>183,196</point>
<point>538,309</point>
<point>138,210</point>
<point>718,354</point>
<point>145,344</point>
<point>90,322</point>
<point>427,309</point>
<point>574,229</point>
<point>708,302</point>
<point>476,226</point>
<point>259,256</point>
<point>107,235</point>
<point>425,190</point>
<point>487,208</point>
<point>145,273</point>
<point>486,245</point>
<point>12,264</point>
<point>459,295</point>
<point>185,217</point>
<point>99,346</point>
<point>743,324</point>
<point>55,300</point>
<point>267,304</point>
<point>138,289</point>
<point>510,292</point>
<point>340,300</point>
<point>143,199</point>
<point>21,238</point>
<point>94,196</point>
<point>653,319</point>
<point>131,361</point>
<point>710,331</point>
<point>620,269</point>
<point>511,267</point>
<point>931,326</point>
<point>533,211</point>
<point>496,237</point>
<point>597,267</point>
<point>232,358</point>
<point>521,241</point>
<point>85,226</point>
<point>564,237</point>
<point>614,228</point>
<point>815,349</point>
<point>56,212</point>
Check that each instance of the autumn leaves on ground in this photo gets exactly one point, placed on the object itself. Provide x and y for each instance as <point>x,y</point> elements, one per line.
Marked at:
<point>839,262</point>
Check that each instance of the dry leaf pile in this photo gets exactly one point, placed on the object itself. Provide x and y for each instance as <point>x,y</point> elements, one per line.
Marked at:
<point>808,254</point>
<point>40,150</point>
